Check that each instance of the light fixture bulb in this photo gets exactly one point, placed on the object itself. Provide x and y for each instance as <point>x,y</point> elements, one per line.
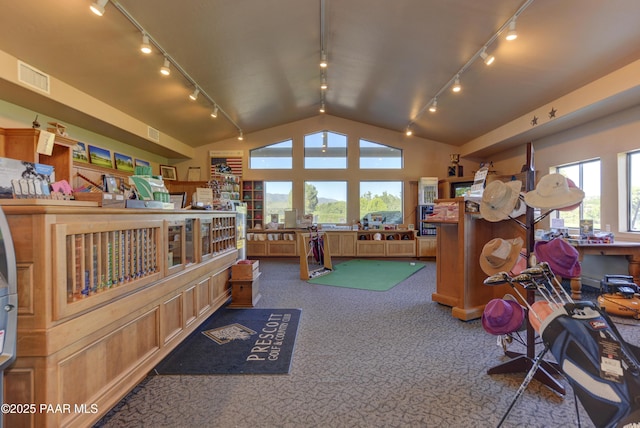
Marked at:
<point>97,7</point>
<point>323,84</point>
<point>512,34</point>
<point>434,106</point>
<point>488,59</point>
<point>322,108</point>
<point>240,137</point>
<point>145,47</point>
<point>323,60</point>
<point>214,113</point>
<point>409,132</point>
<point>456,85</point>
<point>165,70</point>
<point>194,95</point>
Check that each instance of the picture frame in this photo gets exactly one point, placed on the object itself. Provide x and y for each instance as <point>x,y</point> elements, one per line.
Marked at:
<point>193,174</point>
<point>79,153</point>
<point>100,157</point>
<point>168,172</point>
<point>141,162</point>
<point>123,162</point>
<point>179,199</point>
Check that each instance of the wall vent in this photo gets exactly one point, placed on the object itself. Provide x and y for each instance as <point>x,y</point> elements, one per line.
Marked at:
<point>153,134</point>
<point>33,77</point>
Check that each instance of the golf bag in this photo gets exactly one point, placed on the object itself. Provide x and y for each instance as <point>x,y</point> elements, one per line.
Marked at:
<point>603,370</point>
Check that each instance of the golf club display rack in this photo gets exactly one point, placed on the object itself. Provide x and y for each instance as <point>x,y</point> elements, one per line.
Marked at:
<point>104,294</point>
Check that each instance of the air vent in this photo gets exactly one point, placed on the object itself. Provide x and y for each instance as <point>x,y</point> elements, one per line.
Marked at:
<point>33,77</point>
<point>153,134</point>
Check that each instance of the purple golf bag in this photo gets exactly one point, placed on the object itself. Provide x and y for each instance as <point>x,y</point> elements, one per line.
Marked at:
<point>603,369</point>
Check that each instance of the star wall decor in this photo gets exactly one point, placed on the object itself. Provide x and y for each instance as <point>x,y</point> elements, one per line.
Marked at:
<point>534,121</point>
<point>552,113</point>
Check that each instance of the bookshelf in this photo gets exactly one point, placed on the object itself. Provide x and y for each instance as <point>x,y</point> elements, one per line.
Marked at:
<point>253,195</point>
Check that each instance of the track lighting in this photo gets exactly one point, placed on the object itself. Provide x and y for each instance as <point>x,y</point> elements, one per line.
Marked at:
<point>165,70</point>
<point>512,34</point>
<point>240,137</point>
<point>194,95</point>
<point>214,113</point>
<point>408,132</point>
<point>322,108</point>
<point>456,85</point>
<point>323,83</point>
<point>97,7</point>
<point>488,59</point>
<point>434,106</point>
<point>323,60</point>
<point>145,47</point>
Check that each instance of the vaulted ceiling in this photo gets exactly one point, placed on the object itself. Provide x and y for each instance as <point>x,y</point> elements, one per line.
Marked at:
<point>258,60</point>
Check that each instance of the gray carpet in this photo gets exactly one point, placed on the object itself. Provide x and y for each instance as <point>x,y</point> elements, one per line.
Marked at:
<point>362,359</point>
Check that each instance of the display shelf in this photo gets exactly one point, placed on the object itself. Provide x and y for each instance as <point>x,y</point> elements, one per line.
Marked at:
<point>253,195</point>
<point>225,186</point>
<point>281,242</point>
<point>422,214</point>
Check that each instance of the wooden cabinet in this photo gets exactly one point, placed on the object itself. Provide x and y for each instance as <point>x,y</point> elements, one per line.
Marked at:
<point>459,278</point>
<point>278,243</point>
<point>104,294</point>
<point>253,195</point>
<point>426,246</point>
<point>386,243</point>
<point>341,244</point>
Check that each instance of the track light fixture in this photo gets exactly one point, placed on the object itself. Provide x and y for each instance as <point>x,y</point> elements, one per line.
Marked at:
<point>323,60</point>
<point>194,95</point>
<point>456,85</point>
<point>408,131</point>
<point>165,70</point>
<point>322,110</point>
<point>97,7</point>
<point>240,136</point>
<point>214,113</point>
<point>145,47</point>
<point>323,82</point>
<point>512,34</point>
<point>434,106</point>
<point>488,59</point>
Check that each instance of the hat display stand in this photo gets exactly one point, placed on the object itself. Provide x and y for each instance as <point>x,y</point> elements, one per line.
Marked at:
<point>528,362</point>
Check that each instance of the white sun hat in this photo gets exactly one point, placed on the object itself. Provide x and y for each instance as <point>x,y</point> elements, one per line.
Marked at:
<point>499,199</point>
<point>553,192</point>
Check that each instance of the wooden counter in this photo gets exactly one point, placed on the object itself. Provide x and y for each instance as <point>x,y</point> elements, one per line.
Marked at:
<point>104,294</point>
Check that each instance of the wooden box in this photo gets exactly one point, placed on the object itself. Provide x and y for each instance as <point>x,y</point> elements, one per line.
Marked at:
<point>107,200</point>
<point>245,271</point>
<point>245,293</point>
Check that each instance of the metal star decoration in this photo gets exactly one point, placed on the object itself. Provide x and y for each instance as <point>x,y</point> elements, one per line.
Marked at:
<point>534,121</point>
<point>552,113</point>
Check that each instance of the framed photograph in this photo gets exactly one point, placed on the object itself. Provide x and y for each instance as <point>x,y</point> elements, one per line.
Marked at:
<point>140,162</point>
<point>100,156</point>
<point>179,199</point>
<point>123,162</point>
<point>193,174</point>
<point>168,172</point>
<point>80,153</point>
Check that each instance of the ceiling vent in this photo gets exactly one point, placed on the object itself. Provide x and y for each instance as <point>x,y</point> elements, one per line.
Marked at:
<point>33,77</point>
<point>153,134</point>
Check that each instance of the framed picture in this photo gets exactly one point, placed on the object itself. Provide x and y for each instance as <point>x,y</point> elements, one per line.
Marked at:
<point>193,174</point>
<point>179,199</point>
<point>80,153</point>
<point>100,157</point>
<point>140,162</point>
<point>168,172</point>
<point>123,162</point>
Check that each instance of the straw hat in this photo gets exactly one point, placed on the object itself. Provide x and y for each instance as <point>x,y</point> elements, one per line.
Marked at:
<point>499,199</point>
<point>562,257</point>
<point>500,255</point>
<point>502,316</point>
<point>572,185</point>
<point>553,192</point>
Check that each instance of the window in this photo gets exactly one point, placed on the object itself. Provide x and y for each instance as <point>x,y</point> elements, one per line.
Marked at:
<point>326,200</point>
<point>633,189</point>
<point>277,199</point>
<point>325,150</point>
<point>585,175</point>
<point>379,156</point>
<point>273,156</point>
<point>381,201</point>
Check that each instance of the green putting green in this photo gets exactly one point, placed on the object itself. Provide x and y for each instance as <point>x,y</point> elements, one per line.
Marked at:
<point>375,275</point>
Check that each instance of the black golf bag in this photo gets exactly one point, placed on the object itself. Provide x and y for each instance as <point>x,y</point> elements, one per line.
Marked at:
<point>603,369</point>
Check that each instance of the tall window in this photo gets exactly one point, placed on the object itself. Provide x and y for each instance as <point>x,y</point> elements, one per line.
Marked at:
<point>277,199</point>
<point>326,201</point>
<point>379,156</point>
<point>273,156</point>
<point>325,150</point>
<point>381,201</point>
<point>633,186</point>
<point>585,175</point>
